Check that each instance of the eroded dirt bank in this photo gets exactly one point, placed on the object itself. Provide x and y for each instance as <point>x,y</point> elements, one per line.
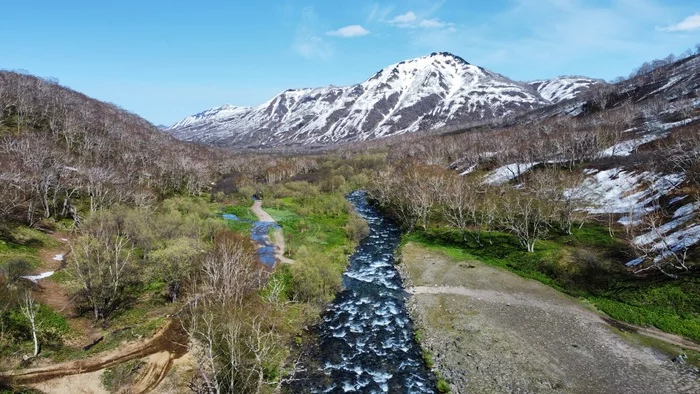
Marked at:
<point>167,345</point>
<point>492,331</point>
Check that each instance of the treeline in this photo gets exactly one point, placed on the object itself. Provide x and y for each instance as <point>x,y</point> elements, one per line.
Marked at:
<point>419,194</point>
<point>541,203</point>
<point>650,66</point>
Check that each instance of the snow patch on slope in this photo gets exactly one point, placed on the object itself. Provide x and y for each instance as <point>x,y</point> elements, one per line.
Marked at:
<point>507,173</point>
<point>625,192</point>
<point>563,88</point>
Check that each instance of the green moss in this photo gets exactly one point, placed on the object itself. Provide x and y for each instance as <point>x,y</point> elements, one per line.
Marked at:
<point>443,386</point>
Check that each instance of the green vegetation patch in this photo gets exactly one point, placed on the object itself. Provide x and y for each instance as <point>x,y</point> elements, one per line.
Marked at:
<point>243,212</point>
<point>23,243</point>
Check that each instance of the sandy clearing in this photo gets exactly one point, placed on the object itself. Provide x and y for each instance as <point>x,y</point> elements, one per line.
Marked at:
<point>493,331</point>
<point>86,383</point>
<point>154,371</point>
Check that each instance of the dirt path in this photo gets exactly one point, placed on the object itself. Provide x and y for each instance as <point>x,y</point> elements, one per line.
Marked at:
<point>277,236</point>
<point>86,383</point>
<point>490,330</point>
<point>167,344</point>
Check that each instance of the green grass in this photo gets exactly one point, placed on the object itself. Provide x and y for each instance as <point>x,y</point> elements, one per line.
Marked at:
<point>242,212</point>
<point>577,265</point>
<point>443,386</point>
<point>316,221</point>
<point>239,227</point>
<point>24,243</point>
<point>284,215</point>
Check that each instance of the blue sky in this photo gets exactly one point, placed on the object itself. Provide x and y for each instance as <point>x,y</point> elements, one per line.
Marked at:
<point>165,60</point>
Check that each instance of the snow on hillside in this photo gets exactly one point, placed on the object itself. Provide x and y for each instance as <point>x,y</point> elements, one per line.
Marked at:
<point>424,93</point>
<point>507,173</point>
<point>560,89</point>
<point>625,192</point>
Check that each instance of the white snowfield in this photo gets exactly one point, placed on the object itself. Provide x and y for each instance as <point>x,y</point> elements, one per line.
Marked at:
<point>628,147</point>
<point>425,93</point>
<point>635,194</point>
<point>625,192</point>
<point>507,173</point>
<point>559,89</point>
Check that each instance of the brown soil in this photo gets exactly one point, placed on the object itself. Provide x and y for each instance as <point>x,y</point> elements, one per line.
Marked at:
<point>86,383</point>
<point>171,340</point>
<point>492,331</point>
<point>59,298</point>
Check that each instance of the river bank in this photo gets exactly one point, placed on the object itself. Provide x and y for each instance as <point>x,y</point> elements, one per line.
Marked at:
<point>489,330</point>
<point>364,342</point>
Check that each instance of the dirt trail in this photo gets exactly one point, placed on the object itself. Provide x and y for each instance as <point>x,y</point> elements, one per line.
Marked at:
<point>157,365</point>
<point>86,383</point>
<point>55,295</point>
<point>278,235</point>
<point>167,344</point>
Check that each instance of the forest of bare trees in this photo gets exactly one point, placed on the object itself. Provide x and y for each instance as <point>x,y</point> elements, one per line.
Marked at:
<point>132,197</point>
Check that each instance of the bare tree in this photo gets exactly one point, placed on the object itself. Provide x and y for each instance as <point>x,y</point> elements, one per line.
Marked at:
<point>525,215</point>
<point>230,271</point>
<point>29,311</point>
<point>100,262</point>
<point>655,248</point>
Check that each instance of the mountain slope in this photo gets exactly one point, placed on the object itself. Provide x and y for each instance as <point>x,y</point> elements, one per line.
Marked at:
<point>419,94</point>
<point>559,89</point>
<point>60,148</point>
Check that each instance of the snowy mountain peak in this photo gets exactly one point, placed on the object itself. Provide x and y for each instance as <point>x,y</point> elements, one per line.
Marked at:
<point>425,93</point>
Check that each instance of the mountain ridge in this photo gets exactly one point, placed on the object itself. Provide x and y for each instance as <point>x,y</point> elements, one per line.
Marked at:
<point>425,93</point>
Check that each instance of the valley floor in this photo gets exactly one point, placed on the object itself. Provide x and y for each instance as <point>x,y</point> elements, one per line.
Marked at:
<point>489,330</point>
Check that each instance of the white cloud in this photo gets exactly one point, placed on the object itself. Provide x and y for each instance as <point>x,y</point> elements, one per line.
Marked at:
<point>310,47</point>
<point>690,23</point>
<point>410,20</point>
<point>349,31</point>
<point>404,19</point>
<point>379,13</point>
<point>432,23</point>
<point>562,37</point>
<point>306,42</point>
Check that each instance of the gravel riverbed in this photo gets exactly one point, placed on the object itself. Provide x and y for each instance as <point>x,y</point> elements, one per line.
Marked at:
<point>490,330</point>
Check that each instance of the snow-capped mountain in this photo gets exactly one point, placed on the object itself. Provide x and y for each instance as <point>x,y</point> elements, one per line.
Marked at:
<point>420,94</point>
<point>563,88</point>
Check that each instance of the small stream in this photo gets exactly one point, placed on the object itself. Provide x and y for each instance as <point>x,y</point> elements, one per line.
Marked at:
<point>259,233</point>
<point>366,342</point>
